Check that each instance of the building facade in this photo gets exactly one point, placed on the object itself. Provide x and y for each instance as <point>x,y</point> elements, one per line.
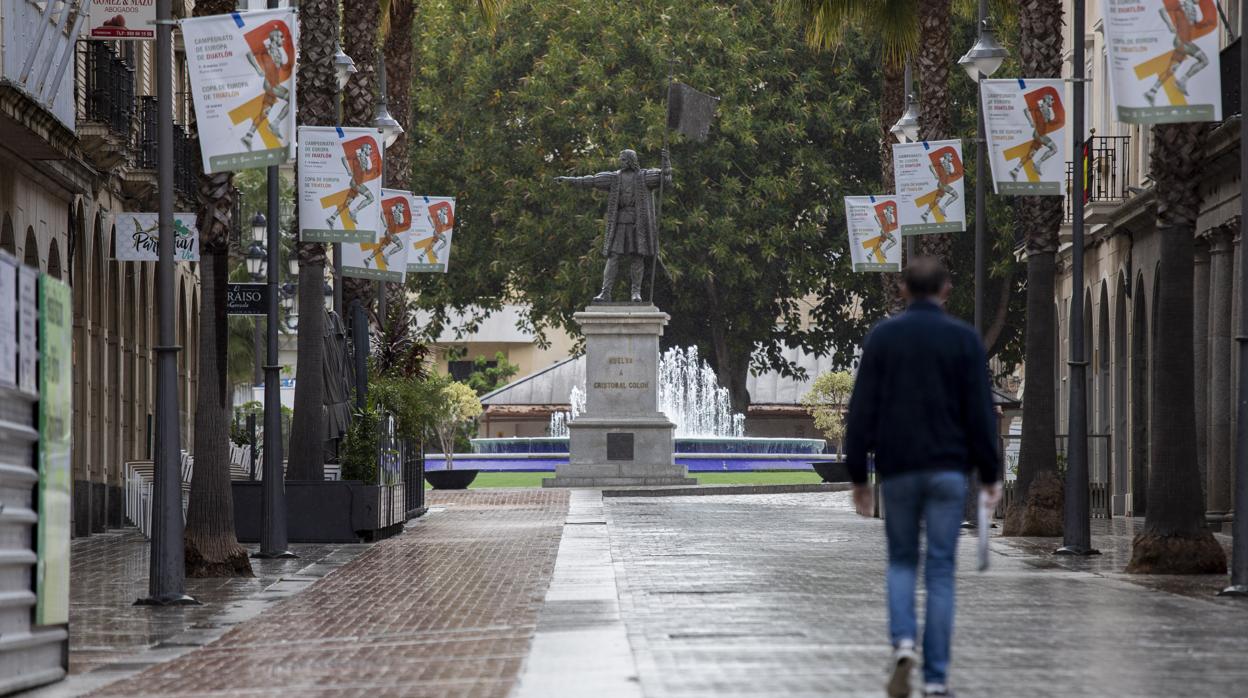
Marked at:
<point>77,145</point>
<point>1121,283</point>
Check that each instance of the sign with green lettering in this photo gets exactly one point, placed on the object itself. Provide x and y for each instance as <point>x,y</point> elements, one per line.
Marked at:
<point>55,410</point>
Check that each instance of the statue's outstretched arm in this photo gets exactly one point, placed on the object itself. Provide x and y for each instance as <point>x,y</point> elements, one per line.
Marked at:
<point>602,180</point>
<point>653,176</point>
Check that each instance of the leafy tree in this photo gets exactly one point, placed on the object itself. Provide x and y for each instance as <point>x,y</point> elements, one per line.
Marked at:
<point>754,221</point>
<point>485,378</point>
<point>455,406</point>
<point>826,401</point>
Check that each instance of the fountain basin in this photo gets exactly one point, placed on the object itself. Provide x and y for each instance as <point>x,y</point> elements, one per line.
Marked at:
<point>723,445</point>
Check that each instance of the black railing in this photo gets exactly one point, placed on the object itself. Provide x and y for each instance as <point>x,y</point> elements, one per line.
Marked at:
<point>1109,171</point>
<point>185,162</point>
<point>145,136</point>
<point>108,90</point>
<point>1230,79</point>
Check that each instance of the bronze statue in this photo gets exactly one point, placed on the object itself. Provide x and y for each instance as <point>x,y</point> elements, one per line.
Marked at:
<point>632,225</point>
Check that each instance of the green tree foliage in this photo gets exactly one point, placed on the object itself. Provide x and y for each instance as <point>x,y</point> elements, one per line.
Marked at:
<point>754,222</point>
<point>486,378</point>
<point>826,401</point>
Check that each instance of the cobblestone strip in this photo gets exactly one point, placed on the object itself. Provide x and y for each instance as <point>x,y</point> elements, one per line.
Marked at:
<point>581,648</point>
<point>784,596</point>
<point>446,609</point>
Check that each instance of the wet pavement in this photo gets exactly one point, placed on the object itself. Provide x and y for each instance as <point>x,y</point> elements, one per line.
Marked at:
<point>552,594</point>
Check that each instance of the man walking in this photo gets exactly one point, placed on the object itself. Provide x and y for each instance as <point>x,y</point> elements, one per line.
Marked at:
<point>922,405</point>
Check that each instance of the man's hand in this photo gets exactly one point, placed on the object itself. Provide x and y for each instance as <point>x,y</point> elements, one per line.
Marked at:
<point>993,494</point>
<point>864,500</point>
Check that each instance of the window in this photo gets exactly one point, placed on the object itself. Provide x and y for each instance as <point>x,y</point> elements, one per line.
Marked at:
<point>460,370</point>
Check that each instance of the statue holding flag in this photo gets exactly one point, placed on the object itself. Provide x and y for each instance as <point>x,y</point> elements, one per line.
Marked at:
<point>632,224</point>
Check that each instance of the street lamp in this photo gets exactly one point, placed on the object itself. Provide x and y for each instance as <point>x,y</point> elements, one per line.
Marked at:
<point>344,66</point>
<point>986,55</point>
<point>288,297</point>
<point>390,127</point>
<point>255,259</point>
<point>329,297</point>
<point>259,226</point>
<point>906,130</point>
<point>292,264</point>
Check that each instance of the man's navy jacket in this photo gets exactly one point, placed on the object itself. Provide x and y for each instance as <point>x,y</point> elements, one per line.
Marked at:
<point>922,399</point>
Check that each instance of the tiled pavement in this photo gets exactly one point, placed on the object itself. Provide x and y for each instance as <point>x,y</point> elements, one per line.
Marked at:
<point>763,595</point>
<point>446,609</point>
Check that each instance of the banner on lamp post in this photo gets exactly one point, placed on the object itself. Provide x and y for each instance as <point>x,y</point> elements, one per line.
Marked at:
<point>137,236</point>
<point>242,70</point>
<point>1163,60</point>
<point>431,234</point>
<point>121,19</point>
<point>1025,121</point>
<point>339,184</point>
<point>874,225</point>
<point>930,174</point>
<point>386,259</point>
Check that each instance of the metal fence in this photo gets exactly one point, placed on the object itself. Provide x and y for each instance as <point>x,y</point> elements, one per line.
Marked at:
<point>414,476</point>
<point>1100,470</point>
<point>1110,169</point>
<point>108,90</point>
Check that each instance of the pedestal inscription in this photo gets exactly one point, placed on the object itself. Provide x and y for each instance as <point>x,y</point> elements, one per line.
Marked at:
<point>621,438</point>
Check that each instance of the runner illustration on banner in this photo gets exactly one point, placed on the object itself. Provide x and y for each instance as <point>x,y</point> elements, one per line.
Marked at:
<point>1161,60</point>
<point>431,239</point>
<point>1042,115</point>
<point>873,225</point>
<point>272,56</point>
<point>385,259</point>
<point>360,158</point>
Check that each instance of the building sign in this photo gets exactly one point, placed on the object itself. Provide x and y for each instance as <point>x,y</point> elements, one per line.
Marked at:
<point>431,234</point>
<point>55,418</point>
<point>386,259</point>
<point>246,299</point>
<point>1163,60</point>
<point>8,321</point>
<point>930,173</point>
<point>1025,121</point>
<point>339,184</point>
<point>242,69</point>
<point>122,19</point>
<point>874,224</point>
<point>137,237</point>
<point>27,329</point>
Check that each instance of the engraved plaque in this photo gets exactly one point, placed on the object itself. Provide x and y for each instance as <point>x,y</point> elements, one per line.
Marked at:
<point>619,446</point>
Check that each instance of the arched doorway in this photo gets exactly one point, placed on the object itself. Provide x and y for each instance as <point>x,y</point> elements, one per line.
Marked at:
<point>8,242</point>
<point>1122,408</point>
<point>1140,393</point>
<point>1103,423</point>
<point>54,260</point>
<point>30,250</point>
<point>97,392</point>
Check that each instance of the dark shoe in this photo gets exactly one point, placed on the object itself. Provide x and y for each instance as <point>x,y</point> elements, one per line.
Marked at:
<point>904,662</point>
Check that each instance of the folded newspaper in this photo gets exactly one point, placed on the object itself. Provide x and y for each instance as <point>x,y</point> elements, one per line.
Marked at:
<point>984,524</point>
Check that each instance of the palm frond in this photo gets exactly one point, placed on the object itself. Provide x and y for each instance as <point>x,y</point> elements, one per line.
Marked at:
<point>824,23</point>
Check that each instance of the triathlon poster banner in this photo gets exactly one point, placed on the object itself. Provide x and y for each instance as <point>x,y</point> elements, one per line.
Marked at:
<point>137,237</point>
<point>874,224</point>
<point>1025,121</point>
<point>431,234</point>
<point>242,69</point>
<point>930,175</point>
<point>386,259</point>
<point>133,20</point>
<point>1163,60</point>
<point>339,184</point>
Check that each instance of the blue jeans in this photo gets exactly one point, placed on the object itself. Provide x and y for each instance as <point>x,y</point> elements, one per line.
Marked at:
<point>933,499</point>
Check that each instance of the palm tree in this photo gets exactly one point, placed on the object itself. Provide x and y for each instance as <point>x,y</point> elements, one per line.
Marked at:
<point>318,94</point>
<point>933,61</point>
<point>211,547</point>
<point>1175,539</point>
<point>1038,491</point>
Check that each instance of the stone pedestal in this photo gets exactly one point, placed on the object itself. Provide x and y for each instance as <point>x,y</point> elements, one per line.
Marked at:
<point>621,439</point>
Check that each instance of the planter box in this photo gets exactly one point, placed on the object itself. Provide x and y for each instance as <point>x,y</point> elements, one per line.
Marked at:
<point>831,472</point>
<point>343,511</point>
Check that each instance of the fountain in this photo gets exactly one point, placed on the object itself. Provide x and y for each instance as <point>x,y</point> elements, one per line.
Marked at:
<point>709,436</point>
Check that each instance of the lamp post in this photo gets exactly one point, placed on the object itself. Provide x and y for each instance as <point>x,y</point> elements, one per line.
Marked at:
<point>390,129</point>
<point>255,259</point>
<point>1239,525</point>
<point>906,130</point>
<point>1076,511</point>
<point>981,61</point>
<point>166,571</point>
<point>344,68</point>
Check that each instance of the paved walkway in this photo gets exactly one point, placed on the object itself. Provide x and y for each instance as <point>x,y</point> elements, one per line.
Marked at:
<point>556,594</point>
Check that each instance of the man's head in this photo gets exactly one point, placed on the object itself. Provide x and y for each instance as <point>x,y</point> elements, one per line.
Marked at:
<point>628,160</point>
<point>926,278</point>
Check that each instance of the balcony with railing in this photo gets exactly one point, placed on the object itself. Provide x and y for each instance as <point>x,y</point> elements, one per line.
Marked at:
<point>1109,175</point>
<point>142,180</point>
<point>105,105</point>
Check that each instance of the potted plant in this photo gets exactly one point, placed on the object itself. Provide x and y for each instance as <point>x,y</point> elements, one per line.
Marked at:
<point>826,401</point>
<point>456,404</point>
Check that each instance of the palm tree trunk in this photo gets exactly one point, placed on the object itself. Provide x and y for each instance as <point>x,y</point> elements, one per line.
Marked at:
<point>211,547</point>
<point>318,96</point>
<point>1175,540</point>
<point>933,60</point>
<point>1037,510</point>
<point>892,104</point>
<point>360,34</point>
<point>398,52</point>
